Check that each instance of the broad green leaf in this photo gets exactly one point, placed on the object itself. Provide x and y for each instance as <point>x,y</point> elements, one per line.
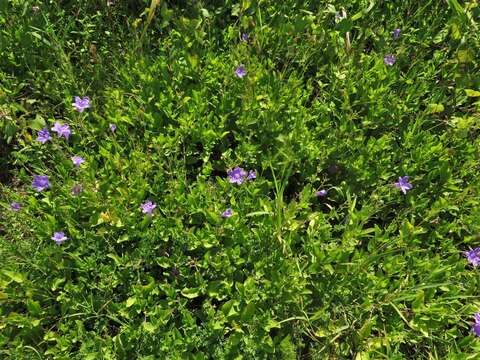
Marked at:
<point>248,312</point>
<point>228,308</point>
<point>38,123</point>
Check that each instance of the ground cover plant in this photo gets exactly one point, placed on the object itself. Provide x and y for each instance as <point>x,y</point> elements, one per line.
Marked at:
<point>239,179</point>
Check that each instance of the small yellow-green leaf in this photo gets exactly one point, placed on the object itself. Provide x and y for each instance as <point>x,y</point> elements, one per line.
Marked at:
<point>272,324</point>
<point>190,293</point>
<point>472,93</point>
<point>123,238</point>
<point>149,327</point>
<point>130,301</point>
<point>357,16</point>
<point>435,108</point>
<point>163,262</point>
<point>455,31</point>
<point>56,283</point>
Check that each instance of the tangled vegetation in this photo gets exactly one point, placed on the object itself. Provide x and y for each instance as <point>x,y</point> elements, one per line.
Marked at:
<point>239,179</point>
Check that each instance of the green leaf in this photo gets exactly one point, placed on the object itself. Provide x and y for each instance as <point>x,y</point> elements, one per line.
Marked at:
<point>56,283</point>
<point>122,239</point>
<point>248,312</point>
<point>15,276</point>
<point>366,329</point>
<point>40,37</point>
<point>417,304</point>
<point>163,262</point>
<point>360,14</point>
<point>130,301</point>
<point>441,36</point>
<point>455,31</point>
<point>228,308</point>
<point>272,324</point>
<point>464,56</point>
<point>472,93</point>
<point>345,26</point>
<point>258,213</point>
<point>357,16</point>
<point>214,288</point>
<point>190,293</point>
<point>33,307</point>
<point>149,327</point>
<point>236,10</point>
<point>38,123</point>
<point>205,13</point>
<point>115,258</point>
<point>435,108</point>
<point>456,5</point>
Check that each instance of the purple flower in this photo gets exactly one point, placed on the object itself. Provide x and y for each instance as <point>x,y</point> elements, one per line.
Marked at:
<point>473,256</point>
<point>237,175</point>
<point>61,130</point>
<point>59,237</point>
<point>113,127</point>
<point>76,189</point>
<point>403,184</point>
<point>476,329</point>
<point>321,193</point>
<point>57,127</point>
<point>396,34</point>
<point>389,60</point>
<point>476,324</point>
<point>77,160</point>
<point>15,206</point>
<point>147,207</point>
<point>227,213</point>
<point>43,135</point>
<point>40,182</point>
<point>81,104</point>
<point>240,71</point>
<point>252,175</point>
<point>244,37</point>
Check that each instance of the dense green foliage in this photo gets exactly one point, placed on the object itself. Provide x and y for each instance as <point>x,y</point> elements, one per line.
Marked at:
<point>366,272</point>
